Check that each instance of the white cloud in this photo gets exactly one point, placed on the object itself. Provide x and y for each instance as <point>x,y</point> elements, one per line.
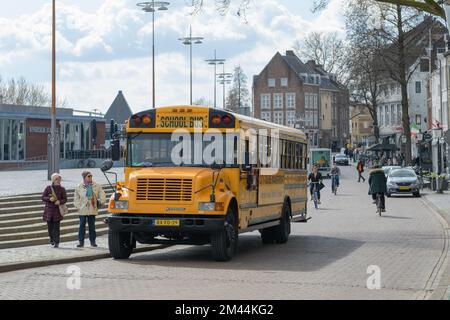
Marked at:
<point>102,52</point>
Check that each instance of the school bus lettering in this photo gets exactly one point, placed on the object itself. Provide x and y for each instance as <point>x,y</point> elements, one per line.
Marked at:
<point>181,122</point>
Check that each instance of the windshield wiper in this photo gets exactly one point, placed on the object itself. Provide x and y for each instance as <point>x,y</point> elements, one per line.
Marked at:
<point>135,136</point>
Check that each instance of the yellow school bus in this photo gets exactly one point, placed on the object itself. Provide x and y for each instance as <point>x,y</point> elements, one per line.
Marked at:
<point>197,175</point>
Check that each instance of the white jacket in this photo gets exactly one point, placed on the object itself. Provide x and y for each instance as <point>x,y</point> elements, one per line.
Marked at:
<point>82,203</point>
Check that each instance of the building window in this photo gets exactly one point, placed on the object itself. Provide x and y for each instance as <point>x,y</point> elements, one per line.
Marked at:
<point>399,114</point>
<point>418,119</point>
<point>393,121</point>
<point>278,117</point>
<point>278,101</point>
<point>284,82</point>
<point>12,138</point>
<point>265,101</point>
<point>418,87</point>
<point>271,82</point>
<point>266,116</point>
<point>290,117</point>
<point>315,118</point>
<point>290,100</point>
<point>308,118</point>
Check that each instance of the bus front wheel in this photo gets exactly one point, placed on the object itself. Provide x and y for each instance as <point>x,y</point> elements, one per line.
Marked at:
<point>224,242</point>
<point>120,244</point>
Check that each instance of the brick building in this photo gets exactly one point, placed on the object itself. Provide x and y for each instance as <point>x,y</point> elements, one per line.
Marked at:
<point>361,131</point>
<point>293,93</point>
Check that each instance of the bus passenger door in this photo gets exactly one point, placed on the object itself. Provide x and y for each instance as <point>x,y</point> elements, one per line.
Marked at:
<point>248,187</point>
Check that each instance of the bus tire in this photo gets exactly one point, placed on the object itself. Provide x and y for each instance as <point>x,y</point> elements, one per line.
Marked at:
<point>283,230</point>
<point>120,244</point>
<point>224,242</point>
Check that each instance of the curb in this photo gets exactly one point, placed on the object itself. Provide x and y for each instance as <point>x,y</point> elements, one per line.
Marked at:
<point>44,263</point>
<point>444,281</point>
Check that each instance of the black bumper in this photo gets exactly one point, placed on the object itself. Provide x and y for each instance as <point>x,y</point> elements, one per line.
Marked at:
<point>188,225</point>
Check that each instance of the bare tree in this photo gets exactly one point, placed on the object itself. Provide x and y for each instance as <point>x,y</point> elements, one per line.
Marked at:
<point>203,102</point>
<point>238,95</point>
<point>222,6</point>
<point>20,92</point>
<point>327,50</point>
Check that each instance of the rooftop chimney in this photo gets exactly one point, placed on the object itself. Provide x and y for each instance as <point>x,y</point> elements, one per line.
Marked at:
<point>290,53</point>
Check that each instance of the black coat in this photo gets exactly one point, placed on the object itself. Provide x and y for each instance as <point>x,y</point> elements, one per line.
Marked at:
<point>377,181</point>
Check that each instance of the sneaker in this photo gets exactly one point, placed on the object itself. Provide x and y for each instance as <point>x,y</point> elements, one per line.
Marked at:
<point>374,202</point>
<point>56,245</point>
<point>94,245</point>
<point>383,210</point>
<point>80,245</point>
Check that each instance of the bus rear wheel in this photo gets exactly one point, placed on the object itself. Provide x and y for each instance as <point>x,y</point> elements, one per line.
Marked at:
<point>224,242</point>
<point>279,233</point>
<point>120,244</point>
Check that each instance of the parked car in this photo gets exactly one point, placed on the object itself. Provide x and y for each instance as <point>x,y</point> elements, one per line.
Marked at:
<point>403,181</point>
<point>341,159</point>
<point>387,169</point>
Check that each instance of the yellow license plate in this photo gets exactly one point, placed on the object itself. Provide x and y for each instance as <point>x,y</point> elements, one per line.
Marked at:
<point>167,223</point>
<point>404,188</point>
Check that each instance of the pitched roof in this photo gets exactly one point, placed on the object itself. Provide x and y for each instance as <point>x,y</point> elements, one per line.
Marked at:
<point>295,63</point>
<point>119,111</point>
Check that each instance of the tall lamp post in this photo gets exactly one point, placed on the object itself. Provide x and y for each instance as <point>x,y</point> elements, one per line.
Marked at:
<point>189,41</point>
<point>151,7</point>
<point>53,138</point>
<point>224,78</point>
<point>215,62</point>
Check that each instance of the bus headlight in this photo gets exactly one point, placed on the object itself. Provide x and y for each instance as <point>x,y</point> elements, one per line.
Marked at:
<point>210,206</point>
<point>121,205</point>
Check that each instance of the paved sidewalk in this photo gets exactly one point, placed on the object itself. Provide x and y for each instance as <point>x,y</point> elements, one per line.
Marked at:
<point>44,255</point>
<point>32,181</point>
<point>440,202</point>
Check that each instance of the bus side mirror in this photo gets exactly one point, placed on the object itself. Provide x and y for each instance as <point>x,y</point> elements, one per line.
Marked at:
<point>115,150</point>
<point>106,165</point>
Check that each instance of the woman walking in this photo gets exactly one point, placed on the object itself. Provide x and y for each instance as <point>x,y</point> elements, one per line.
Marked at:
<point>54,196</point>
<point>89,197</point>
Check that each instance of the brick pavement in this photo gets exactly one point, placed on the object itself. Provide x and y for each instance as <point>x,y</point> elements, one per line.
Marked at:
<point>327,258</point>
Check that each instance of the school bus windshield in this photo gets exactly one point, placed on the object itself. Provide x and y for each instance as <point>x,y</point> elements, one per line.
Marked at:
<point>168,150</point>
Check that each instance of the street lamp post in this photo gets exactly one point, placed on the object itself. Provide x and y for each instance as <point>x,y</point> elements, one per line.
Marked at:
<point>189,41</point>
<point>53,141</point>
<point>152,7</point>
<point>224,78</point>
<point>215,62</point>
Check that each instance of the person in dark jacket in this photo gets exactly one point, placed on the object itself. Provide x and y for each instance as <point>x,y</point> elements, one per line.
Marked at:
<point>53,196</point>
<point>377,182</point>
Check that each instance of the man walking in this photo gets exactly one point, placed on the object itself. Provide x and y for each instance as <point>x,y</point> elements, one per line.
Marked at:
<point>89,197</point>
<point>360,168</point>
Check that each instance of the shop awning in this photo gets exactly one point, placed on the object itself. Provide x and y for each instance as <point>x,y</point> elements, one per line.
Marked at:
<point>383,147</point>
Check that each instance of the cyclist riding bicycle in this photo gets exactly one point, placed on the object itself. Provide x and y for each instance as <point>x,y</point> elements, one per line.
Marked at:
<point>316,178</point>
<point>335,173</point>
<point>377,182</point>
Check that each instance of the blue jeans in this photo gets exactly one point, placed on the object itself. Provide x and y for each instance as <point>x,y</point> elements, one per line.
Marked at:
<point>82,230</point>
<point>336,180</point>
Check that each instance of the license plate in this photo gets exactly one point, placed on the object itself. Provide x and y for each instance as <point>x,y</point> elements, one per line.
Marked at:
<point>167,223</point>
<point>404,188</point>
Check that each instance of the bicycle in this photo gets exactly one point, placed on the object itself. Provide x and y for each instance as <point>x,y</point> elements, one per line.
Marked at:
<point>334,183</point>
<point>315,194</point>
<point>378,202</point>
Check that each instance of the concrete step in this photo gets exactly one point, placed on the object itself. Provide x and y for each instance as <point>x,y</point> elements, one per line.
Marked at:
<point>38,195</point>
<point>72,220</point>
<point>10,217</point>
<point>43,232</point>
<point>25,203</point>
<point>21,204</point>
<point>45,240</point>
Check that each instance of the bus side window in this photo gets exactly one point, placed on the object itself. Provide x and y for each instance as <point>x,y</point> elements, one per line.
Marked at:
<point>246,165</point>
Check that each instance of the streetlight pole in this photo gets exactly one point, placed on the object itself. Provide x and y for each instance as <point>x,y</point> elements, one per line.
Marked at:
<point>53,152</point>
<point>223,79</point>
<point>215,62</point>
<point>152,7</point>
<point>189,41</point>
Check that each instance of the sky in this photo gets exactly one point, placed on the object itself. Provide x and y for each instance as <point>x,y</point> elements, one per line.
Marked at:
<point>104,46</point>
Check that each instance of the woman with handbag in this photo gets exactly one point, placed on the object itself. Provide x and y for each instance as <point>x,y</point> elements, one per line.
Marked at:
<point>55,199</point>
<point>88,198</point>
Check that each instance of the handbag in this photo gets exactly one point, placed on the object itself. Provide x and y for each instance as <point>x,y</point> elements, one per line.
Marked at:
<point>63,209</point>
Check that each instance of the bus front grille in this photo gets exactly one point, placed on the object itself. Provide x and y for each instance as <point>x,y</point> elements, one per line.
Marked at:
<point>164,189</point>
